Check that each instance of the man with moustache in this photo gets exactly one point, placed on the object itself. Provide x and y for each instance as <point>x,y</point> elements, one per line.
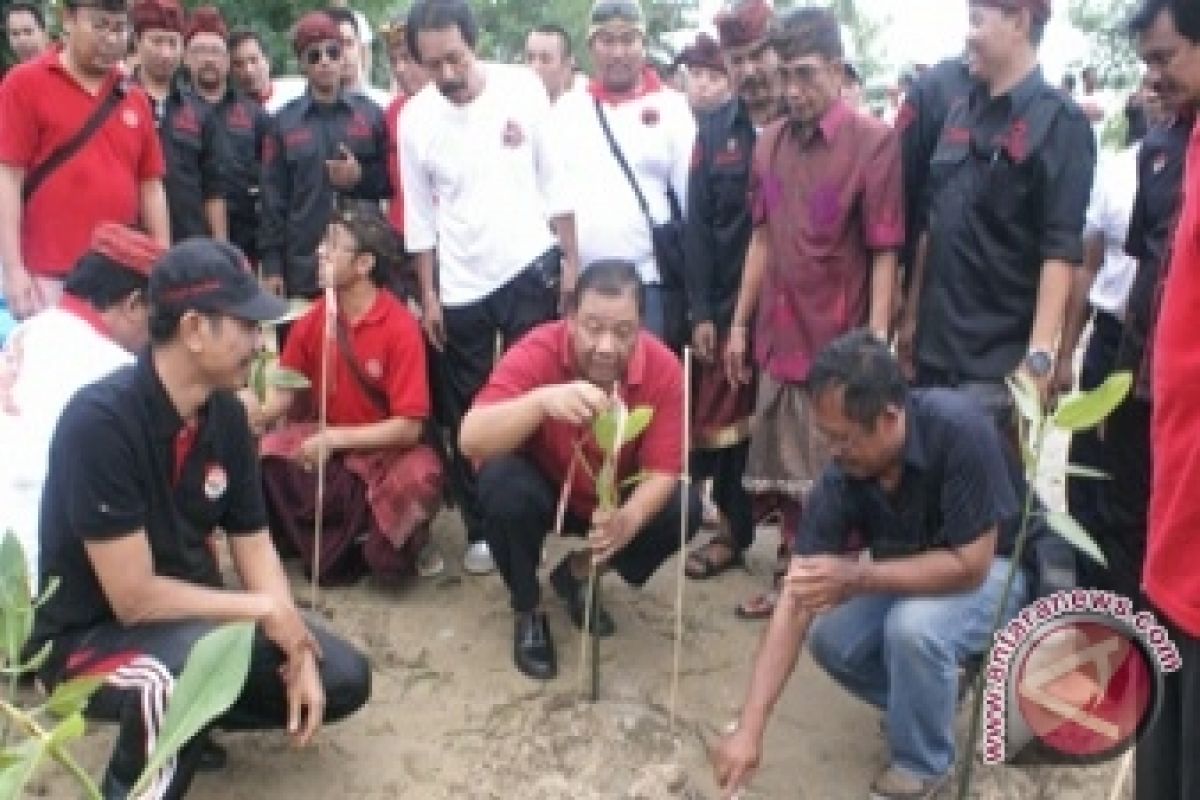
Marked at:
<point>719,226</point>
<point>1167,769</point>
<point>530,429</point>
<point>192,144</point>
<point>239,120</point>
<point>144,466</point>
<point>1009,184</point>
<point>486,216</point>
<point>654,130</point>
<point>48,213</point>
<point>828,217</point>
<point>324,143</point>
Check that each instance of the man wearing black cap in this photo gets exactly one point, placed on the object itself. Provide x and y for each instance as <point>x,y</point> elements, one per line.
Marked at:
<point>144,466</point>
<point>717,238</point>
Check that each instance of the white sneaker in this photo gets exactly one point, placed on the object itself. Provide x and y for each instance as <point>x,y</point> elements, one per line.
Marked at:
<point>478,559</point>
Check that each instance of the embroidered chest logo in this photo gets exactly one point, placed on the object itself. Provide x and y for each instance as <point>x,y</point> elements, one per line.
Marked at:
<point>358,127</point>
<point>298,137</point>
<point>238,118</point>
<point>513,135</point>
<point>216,482</point>
<point>130,118</point>
<point>186,121</point>
<point>374,368</point>
<point>650,116</point>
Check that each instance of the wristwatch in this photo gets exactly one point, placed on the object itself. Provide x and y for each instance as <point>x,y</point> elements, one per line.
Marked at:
<point>1038,363</point>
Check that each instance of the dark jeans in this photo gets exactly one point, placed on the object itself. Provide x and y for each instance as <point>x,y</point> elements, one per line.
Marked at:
<point>142,662</point>
<point>519,503</point>
<point>462,369</point>
<point>1084,495</point>
<point>1167,763</point>
<point>725,468</point>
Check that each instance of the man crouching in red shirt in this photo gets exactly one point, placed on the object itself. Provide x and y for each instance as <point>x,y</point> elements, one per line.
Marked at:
<point>380,480</point>
<point>533,419</point>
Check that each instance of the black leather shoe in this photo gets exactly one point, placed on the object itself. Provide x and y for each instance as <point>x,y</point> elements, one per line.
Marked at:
<point>573,592</point>
<point>213,757</point>
<point>533,649</point>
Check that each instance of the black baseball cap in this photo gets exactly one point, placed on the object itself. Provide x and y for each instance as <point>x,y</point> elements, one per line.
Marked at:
<point>211,277</point>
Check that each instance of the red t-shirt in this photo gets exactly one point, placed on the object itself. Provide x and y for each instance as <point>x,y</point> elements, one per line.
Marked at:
<point>390,352</point>
<point>653,378</point>
<point>41,107</point>
<point>1172,573</point>
<point>392,118</point>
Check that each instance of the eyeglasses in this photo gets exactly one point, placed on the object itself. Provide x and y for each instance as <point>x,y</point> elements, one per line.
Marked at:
<point>331,52</point>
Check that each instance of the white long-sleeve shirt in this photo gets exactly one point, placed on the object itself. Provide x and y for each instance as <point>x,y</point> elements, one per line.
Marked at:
<point>481,182</point>
<point>657,133</point>
<point>1108,214</point>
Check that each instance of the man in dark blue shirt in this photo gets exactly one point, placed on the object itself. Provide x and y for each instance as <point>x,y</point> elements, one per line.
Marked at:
<point>919,480</point>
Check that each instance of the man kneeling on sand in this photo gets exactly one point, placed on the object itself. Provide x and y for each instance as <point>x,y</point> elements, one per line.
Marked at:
<point>919,478</point>
<point>533,419</point>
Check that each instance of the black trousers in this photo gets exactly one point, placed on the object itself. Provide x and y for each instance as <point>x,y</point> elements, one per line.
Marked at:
<point>1168,766</point>
<point>726,467</point>
<point>520,502</point>
<point>462,369</point>
<point>142,662</point>
<point>1084,495</point>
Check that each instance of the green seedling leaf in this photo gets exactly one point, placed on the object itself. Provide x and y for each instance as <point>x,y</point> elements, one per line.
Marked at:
<point>1068,528</point>
<point>1086,410</point>
<point>211,681</point>
<point>90,790</point>
<point>39,659</point>
<point>67,731</point>
<point>258,377</point>
<point>604,428</point>
<point>284,378</point>
<point>52,585</point>
<point>1076,471</point>
<point>16,605</point>
<point>23,761</point>
<point>636,423</point>
<point>635,479</point>
<point>71,697</point>
<point>1025,396</point>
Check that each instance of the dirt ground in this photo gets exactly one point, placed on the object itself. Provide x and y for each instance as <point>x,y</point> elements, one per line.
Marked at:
<point>450,717</point>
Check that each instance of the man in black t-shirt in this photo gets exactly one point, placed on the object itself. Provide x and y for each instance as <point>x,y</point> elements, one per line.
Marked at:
<point>919,480</point>
<point>144,466</point>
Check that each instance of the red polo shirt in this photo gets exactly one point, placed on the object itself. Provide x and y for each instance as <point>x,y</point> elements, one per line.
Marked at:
<point>653,378</point>
<point>390,352</point>
<point>41,107</point>
<point>392,118</point>
<point>826,204</point>
<point>1172,573</point>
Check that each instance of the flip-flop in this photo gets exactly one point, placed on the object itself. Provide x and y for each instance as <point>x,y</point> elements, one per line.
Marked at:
<point>708,567</point>
<point>761,606</point>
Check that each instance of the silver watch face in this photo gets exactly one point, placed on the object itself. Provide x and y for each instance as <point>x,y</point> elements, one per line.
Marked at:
<point>1039,363</point>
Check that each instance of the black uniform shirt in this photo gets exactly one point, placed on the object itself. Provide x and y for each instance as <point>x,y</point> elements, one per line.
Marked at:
<point>298,198</point>
<point>243,124</point>
<point>196,159</point>
<point>1155,207</point>
<point>719,223</point>
<point>1008,190</point>
<point>955,488</point>
<point>117,466</point>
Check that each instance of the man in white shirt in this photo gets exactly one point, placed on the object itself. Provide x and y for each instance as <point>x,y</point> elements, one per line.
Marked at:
<point>99,321</point>
<point>1100,289</point>
<point>655,131</point>
<point>483,190</point>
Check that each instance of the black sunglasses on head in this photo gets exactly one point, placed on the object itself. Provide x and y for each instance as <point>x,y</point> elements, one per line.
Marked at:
<point>332,52</point>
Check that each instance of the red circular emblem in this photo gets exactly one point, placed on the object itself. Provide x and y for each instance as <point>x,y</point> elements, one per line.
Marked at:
<point>215,481</point>
<point>650,116</point>
<point>1085,687</point>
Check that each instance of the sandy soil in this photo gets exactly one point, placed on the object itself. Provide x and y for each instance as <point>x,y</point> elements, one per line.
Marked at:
<point>451,718</point>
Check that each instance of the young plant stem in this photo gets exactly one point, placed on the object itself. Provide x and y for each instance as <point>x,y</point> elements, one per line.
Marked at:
<point>13,714</point>
<point>964,785</point>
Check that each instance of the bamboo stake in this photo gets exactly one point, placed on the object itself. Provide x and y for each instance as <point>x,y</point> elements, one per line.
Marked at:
<point>1122,775</point>
<point>322,447</point>
<point>684,503</point>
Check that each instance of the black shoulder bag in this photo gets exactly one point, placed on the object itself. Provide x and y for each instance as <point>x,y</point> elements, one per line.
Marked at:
<point>64,152</point>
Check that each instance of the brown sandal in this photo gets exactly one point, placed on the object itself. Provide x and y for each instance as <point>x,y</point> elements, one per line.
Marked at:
<point>700,562</point>
<point>762,605</point>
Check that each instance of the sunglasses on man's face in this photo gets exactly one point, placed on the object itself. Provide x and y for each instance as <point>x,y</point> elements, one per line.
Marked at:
<point>331,52</point>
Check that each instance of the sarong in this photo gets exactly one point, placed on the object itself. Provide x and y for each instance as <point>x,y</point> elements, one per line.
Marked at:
<point>786,452</point>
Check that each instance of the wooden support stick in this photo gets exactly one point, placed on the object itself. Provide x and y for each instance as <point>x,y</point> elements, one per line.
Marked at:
<point>322,448</point>
<point>685,486</point>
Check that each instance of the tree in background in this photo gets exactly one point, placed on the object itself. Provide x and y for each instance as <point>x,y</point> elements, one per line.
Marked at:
<point>1110,49</point>
<point>865,46</point>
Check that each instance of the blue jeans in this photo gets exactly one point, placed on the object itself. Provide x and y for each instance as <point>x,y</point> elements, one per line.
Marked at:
<point>916,644</point>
